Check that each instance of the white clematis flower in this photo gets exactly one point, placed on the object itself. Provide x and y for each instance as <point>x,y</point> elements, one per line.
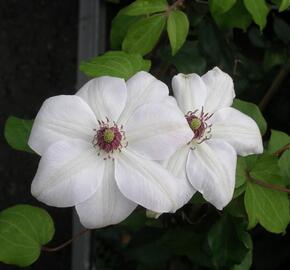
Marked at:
<point>219,133</point>
<point>99,148</point>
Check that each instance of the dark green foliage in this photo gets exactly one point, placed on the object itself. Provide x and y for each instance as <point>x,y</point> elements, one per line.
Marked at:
<point>17,132</point>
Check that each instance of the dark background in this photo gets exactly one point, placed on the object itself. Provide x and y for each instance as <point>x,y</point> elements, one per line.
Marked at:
<point>38,54</point>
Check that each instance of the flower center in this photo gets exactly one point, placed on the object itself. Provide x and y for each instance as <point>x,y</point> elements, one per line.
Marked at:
<point>195,123</point>
<point>108,135</point>
<point>109,138</point>
<point>199,126</point>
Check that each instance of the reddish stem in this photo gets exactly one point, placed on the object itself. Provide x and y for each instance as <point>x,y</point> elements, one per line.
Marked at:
<point>280,151</point>
<point>273,88</point>
<point>174,6</point>
<point>75,237</point>
<point>267,185</point>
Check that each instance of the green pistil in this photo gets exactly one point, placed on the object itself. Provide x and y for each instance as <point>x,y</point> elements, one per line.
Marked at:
<point>195,123</point>
<point>109,135</point>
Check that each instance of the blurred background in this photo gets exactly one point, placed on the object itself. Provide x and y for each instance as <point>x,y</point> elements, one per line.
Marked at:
<point>40,48</point>
<point>38,52</point>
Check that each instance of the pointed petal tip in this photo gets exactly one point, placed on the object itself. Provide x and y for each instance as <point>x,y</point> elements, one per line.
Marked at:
<point>69,172</point>
<point>211,170</point>
<point>190,91</point>
<point>105,95</point>
<point>152,186</point>
<point>59,118</point>
<point>220,87</point>
<point>239,130</point>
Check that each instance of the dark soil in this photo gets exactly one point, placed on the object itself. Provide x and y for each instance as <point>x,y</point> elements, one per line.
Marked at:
<point>38,50</point>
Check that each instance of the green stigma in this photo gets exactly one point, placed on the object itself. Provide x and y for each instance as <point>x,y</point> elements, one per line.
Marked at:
<point>108,135</point>
<point>195,123</point>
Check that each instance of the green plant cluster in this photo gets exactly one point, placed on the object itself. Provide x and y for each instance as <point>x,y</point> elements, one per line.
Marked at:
<point>166,37</point>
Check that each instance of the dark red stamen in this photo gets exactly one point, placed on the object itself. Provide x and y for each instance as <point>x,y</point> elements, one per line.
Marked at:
<point>108,146</point>
<point>202,130</point>
<point>109,137</point>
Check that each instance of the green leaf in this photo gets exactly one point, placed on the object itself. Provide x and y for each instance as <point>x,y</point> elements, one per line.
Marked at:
<point>267,206</point>
<point>259,11</point>
<point>146,65</point>
<point>23,230</point>
<point>236,17</point>
<point>253,111</point>
<point>209,41</point>
<point>246,263</point>
<point>241,176</point>
<point>119,29</point>
<point>251,161</point>
<point>177,28</point>
<point>256,37</point>
<point>143,35</point>
<point>277,140</point>
<point>274,57</point>
<point>115,63</point>
<point>282,30</point>
<point>284,5</point>
<point>187,60</point>
<point>248,259</point>
<point>284,164</point>
<point>244,165</point>
<point>17,133</point>
<point>220,6</point>
<point>236,208</point>
<point>214,46</point>
<point>144,7</point>
<point>185,241</point>
<point>266,168</point>
<point>225,244</point>
<point>239,191</point>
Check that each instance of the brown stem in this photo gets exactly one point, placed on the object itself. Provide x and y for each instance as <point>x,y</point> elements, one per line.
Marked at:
<point>174,6</point>
<point>280,151</point>
<point>273,88</point>
<point>267,185</point>
<point>75,237</point>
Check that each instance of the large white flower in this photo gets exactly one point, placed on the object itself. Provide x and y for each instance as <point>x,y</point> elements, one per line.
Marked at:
<point>99,148</point>
<point>219,133</point>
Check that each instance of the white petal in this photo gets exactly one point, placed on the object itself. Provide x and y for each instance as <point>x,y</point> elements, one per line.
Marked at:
<point>107,206</point>
<point>211,170</point>
<point>59,118</point>
<point>142,88</point>
<point>69,172</point>
<point>220,89</point>
<point>156,130</point>
<point>176,164</point>
<point>190,91</point>
<point>237,129</point>
<point>149,184</point>
<point>106,96</point>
